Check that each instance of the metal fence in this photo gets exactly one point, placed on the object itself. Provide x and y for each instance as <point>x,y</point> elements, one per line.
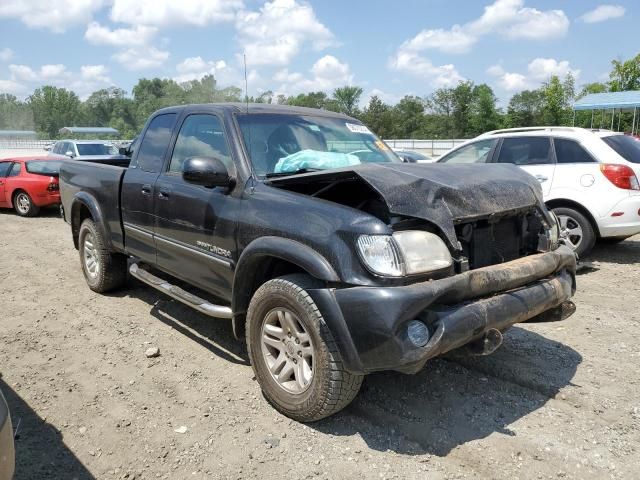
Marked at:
<point>429,147</point>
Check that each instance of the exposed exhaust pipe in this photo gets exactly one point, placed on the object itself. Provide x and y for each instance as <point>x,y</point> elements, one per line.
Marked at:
<point>485,345</point>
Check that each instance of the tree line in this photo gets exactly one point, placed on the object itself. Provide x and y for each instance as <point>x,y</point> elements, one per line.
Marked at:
<point>463,111</point>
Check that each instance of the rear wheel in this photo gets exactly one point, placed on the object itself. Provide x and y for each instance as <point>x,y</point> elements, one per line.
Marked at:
<point>576,230</point>
<point>24,206</point>
<point>293,354</point>
<point>103,270</point>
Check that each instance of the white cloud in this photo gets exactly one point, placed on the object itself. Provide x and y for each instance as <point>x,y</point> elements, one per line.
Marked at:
<point>495,70</point>
<point>386,97</point>
<point>602,13</point>
<point>538,70</point>
<point>171,12</point>
<point>6,54</point>
<point>455,40</point>
<point>25,79</point>
<point>12,87</point>
<point>278,31</point>
<point>437,75</point>
<point>543,68</point>
<point>120,37</point>
<point>141,58</point>
<point>194,68</point>
<point>55,15</point>
<point>326,74</point>
<point>508,18</point>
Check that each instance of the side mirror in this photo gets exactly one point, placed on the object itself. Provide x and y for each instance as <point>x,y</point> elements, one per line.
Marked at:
<point>69,154</point>
<point>124,151</point>
<point>48,148</point>
<point>206,171</point>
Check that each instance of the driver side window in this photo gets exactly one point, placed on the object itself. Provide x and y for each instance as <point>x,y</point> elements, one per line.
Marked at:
<point>200,136</point>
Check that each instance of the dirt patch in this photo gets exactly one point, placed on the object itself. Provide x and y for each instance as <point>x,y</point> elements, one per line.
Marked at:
<point>557,400</point>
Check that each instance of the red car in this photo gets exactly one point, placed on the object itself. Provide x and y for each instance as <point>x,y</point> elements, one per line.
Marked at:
<point>29,183</point>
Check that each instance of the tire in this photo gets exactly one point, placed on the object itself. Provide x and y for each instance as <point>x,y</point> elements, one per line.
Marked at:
<point>321,389</point>
<point>102,269</point>
<point>23,205</point>
<point>573,221</point>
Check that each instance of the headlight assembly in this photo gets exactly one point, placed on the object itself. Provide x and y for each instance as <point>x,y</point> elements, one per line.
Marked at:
<point>554,232</point>
<point>404,253</point>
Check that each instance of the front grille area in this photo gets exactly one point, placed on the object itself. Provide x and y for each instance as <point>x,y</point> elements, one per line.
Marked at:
<point>493,241</point>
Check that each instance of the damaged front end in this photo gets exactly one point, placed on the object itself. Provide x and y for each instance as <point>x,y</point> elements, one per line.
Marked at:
<point>506,265</point>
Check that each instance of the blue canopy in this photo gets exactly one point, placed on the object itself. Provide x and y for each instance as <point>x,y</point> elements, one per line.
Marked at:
<point>614,100</point>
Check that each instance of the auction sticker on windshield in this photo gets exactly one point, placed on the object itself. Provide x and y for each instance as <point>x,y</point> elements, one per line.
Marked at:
<point>355,128</point>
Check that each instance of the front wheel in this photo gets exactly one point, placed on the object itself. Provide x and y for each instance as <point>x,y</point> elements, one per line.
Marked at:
<point>24,205</point>
<point>576,230</point>
<point>293,354</point>
<point>103,269</point>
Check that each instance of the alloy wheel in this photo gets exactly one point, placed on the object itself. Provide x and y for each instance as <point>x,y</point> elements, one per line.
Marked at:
<point>287,350</point>
<point>23,203</point>
<point>571,231</point>
<point>91,261</point>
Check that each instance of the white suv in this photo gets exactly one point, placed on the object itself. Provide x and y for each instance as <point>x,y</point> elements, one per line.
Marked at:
<point>589,178</point>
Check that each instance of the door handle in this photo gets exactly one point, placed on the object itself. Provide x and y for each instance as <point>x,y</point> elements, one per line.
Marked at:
<point>163,195</point>
<point>146,189</point>
<point>541,178</point>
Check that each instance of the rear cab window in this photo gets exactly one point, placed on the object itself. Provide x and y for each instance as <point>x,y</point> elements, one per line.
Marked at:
<point>626,146</point>
<point>525,151</point>
<point>155,143</point>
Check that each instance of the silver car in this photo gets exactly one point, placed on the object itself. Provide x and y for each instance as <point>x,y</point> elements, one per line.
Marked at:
<point>79,149</point>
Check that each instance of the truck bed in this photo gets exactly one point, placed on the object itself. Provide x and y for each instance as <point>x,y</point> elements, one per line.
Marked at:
<point>102,182</point>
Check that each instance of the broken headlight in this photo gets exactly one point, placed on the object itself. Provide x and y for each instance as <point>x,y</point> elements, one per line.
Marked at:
<point>553,234</point>
<point>404,253</point>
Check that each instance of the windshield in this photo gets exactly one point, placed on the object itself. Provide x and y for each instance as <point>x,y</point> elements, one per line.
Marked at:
<point>625,146</point>
<point>281,144</point>
<point>46,167</point>
<point>96,149</point>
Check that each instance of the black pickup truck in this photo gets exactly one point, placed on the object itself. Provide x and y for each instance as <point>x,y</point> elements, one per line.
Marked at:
<point>330,256</point>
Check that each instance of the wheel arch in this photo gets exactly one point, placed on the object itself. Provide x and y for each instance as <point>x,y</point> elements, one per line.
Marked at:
<point>85,206</point>
<point>267,258</point>
<point>566,203</point>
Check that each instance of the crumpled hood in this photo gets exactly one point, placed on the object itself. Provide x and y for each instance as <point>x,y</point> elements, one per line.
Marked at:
<point>439,193</point>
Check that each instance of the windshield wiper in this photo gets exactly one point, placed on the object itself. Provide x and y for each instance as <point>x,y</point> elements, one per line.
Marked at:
<point>294,172</point>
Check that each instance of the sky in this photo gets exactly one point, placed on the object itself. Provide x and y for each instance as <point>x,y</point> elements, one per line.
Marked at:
<point>389,48</point>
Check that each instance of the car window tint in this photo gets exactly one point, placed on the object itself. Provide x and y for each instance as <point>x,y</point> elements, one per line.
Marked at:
<point>477,152</point>
<point>570,151</point>
<point>4,168</point>
<point>155,142</point>
<point>15,170</point>
<point>525,151</point>
<point>626,146</point>
<point>200,136</point>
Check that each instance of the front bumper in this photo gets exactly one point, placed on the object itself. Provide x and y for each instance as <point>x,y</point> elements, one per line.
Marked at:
<point>369,323</point>
<point>7,452</point>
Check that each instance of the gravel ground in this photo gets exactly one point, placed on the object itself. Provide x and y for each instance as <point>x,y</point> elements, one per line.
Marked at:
<point>557,400</point>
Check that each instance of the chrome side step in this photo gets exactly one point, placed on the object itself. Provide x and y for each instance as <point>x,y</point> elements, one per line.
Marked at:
<point>177,293</point>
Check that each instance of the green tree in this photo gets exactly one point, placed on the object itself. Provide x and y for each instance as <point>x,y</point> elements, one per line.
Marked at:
<point>54,108</point>
<point>378,116</point>
<point>311,100</point>
<point>347,99</point>
<point>556,108</point>
<point>484,113</point>
<point>15,114</point>
<point>625,75</point>
<point>462,104</point>
<point>525,109</point>
<point>595,87</point>
<point>408,116</point>
<point>439,121</point>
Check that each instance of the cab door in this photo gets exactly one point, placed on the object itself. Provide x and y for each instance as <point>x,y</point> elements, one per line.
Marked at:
<point>533,154</point>
<point>139,188</point>
<point>4,170</point>
<point>195,224</point>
